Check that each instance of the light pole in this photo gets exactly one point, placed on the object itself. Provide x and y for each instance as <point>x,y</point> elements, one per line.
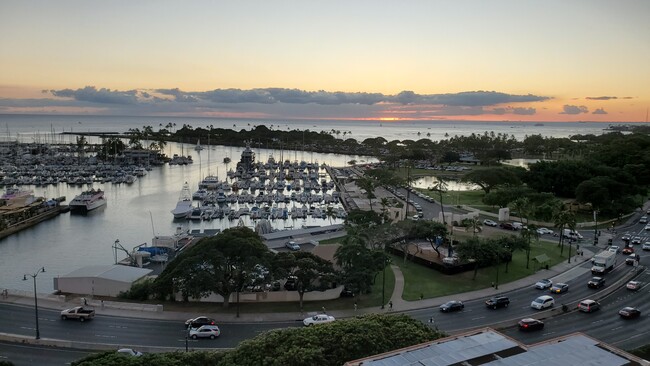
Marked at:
<point>596,227</point>
<point>383,285</point>
<point>33,276</point>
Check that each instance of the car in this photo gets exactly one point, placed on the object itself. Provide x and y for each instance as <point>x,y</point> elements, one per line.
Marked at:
<point>292,245</point>
<point>542,302</point>
<point>291,284</point>
<point>543,230</point>
<point>647,227</point>
<point>519,226</point>
<point>129,352</point>
<point>614,248</point>
<point>629,312</point>
<point>628,250</point>
<point>507,226</point>
<point>631,259</point>
<point>544,284</point>
<point>276,286</point>
<point>488,222</point>
<point>497,302</point>
<point>626,237</point>
<point>646,245</point>
<point>318,319</point>
<point>529,324</point>
<point>643,220</point>
<point>450,306</point>
<point>347,292</point>
<point>636,240</point>
<point>204,331</point>
<point>596,282</point>
<point>199,321</point>
<point>560,288</point>
<point>588,306</point>
<point>633,285</point>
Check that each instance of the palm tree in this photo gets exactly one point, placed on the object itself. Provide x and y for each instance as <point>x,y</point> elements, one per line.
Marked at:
<point>368,185</point>
<point>562,220</point>
<point>384,204</point>
<point>441,187</point>
<point>329,212</point>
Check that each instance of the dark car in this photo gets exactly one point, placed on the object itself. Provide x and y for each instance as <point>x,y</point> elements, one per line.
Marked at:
<point>276,286</point>
<point>507,226</point>
<point>497,302</point>
<point>529,324</point>
<point>347,292</point>
<point>199,321</point>
<point>629,313</point>
<point>626,237</point>
<point>450,306</point>
<point>596,282</point>
<point>291,284</point>
<point>560,288</point>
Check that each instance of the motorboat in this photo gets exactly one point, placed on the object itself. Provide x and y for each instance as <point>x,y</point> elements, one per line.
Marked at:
<point>88,201</point>
<point>184,205</point>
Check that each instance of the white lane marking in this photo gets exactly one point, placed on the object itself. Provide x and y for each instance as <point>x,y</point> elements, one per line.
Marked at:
<point>118,327</point>
<point>104,336</point>
<point>548,333</point>
<point>617,328</point>
<point>480,317</point>
<point>597,321</point>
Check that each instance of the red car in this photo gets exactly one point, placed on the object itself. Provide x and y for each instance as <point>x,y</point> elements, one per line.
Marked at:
<point>628,250</point>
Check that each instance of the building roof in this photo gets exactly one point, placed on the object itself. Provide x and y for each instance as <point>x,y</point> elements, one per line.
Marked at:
<point>112,272</point>
<point>489,347</point>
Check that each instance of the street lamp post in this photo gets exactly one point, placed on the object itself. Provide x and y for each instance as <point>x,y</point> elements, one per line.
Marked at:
<point>383,285</point>
<point>33,276</point>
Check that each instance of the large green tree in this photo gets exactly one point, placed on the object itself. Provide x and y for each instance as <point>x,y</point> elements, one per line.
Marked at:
<point>217,264</point>
<point>490,178</point>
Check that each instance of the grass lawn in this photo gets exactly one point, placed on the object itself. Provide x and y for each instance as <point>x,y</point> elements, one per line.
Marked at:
<point>332,241</point>
<point>431,283</point>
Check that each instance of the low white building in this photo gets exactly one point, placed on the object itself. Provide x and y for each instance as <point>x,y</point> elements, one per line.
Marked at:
<point>108,280</point>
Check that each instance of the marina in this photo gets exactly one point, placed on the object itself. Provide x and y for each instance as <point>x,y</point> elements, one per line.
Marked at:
<point>135,213</point>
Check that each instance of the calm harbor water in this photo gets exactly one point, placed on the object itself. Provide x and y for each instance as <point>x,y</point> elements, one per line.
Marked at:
<point>134,214</point>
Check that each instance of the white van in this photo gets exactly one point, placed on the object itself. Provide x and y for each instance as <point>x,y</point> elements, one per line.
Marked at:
<point>571,234</point>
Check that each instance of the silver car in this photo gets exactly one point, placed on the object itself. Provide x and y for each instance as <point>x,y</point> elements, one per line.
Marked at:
<point>205,331</point>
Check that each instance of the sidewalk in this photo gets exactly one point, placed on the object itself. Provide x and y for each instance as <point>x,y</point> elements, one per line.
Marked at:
<point>558,273</point>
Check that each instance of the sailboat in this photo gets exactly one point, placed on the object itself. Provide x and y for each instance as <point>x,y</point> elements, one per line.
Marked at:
<point>198,146</point>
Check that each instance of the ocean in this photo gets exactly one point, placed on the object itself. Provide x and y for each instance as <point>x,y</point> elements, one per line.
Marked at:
<point>46,127</point>
<point>137,212</point>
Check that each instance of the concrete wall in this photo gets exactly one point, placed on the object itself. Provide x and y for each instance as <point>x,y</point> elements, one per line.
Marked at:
<point>91,286</point>
<point>274,296</point>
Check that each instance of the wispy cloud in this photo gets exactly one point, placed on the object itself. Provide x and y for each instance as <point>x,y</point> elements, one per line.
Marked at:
<point>94,95</point>
<point>601,98</point>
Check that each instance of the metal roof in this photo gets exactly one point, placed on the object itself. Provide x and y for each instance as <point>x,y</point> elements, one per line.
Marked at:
<point>110,272</point>
<point>574,350</point>
<point>449,352</point>
<point>285,234</point>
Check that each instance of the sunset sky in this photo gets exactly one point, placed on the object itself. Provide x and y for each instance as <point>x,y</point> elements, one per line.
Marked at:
<point>514,60</point>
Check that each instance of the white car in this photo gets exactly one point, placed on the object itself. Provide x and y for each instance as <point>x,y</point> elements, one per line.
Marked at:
<point>647,227</point>
<point>614,248</point>
<point>646,245</point>
<point>205,331</point>
<point>543,230</point>
<point>318,319</point>
<point>129,352</point>
<point>489,222</point>
<point>542,302</point>
<point>544,284</point>
<point>292,245</point>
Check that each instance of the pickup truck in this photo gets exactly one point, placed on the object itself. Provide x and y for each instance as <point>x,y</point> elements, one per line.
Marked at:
<point>78,312</point>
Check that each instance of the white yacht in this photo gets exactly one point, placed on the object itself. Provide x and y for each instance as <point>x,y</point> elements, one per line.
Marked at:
<point>184,205</point>
<point>88,201</point>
